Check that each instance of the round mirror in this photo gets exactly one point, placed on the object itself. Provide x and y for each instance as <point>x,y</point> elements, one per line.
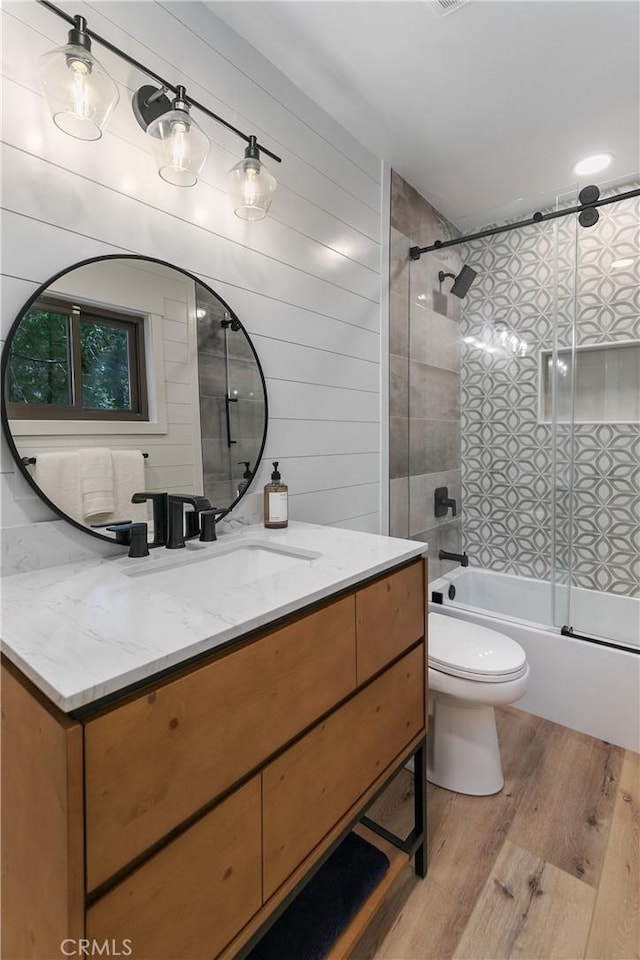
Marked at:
<point>126,376</point>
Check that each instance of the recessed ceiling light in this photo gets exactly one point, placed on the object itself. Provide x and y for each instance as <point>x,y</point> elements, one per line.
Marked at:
<point>600,161</point>
<point>621,264</point>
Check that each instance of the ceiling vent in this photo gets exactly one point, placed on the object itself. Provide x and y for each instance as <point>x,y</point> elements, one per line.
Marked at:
<point>442,8</point>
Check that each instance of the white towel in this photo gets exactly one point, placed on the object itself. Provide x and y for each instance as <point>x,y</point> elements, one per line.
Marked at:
<point>128,478</point>
<point>58,476</point>
<point>96,481</point>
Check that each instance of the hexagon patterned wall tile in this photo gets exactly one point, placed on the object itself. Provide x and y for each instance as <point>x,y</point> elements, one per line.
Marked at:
<point>519,516</point>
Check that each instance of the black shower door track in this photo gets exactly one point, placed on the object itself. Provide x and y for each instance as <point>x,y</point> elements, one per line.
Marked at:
<point>569,632</point>
<point>415,252</point>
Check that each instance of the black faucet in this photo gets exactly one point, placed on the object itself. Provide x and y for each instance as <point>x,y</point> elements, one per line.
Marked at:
<point>460,558</point>
<point>183,527</point>
<point>132,535</point>
<point>442,501</point>
<point>159,501</point>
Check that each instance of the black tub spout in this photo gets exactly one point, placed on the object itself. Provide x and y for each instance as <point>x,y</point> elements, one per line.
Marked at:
<point>460,558</point>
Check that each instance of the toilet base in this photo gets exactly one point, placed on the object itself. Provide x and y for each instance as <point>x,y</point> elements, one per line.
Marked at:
<point>463,754</point>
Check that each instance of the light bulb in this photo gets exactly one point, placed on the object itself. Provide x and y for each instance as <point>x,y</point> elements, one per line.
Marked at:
<point>80,93</point>
<point>179,145</point>
<point>251,185</point>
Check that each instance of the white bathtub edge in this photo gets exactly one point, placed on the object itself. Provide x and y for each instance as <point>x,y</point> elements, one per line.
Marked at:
<point>589,688</point>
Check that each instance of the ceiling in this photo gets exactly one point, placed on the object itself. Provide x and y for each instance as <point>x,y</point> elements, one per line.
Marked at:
<point>491,104</point>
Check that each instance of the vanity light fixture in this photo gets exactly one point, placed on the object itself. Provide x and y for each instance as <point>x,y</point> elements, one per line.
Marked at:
<point>80,93</point>
<point>251,185</point>
<point>179,145</point>
<point>82,96</point>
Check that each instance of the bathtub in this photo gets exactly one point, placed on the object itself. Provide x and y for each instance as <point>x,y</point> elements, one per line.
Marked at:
<point>590,687</point>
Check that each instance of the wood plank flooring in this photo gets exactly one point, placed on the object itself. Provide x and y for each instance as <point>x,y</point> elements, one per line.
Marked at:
<point>548,868</point>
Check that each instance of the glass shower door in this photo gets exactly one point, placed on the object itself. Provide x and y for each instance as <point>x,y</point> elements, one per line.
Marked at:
<point>556,377</point>
<point>597,435</point>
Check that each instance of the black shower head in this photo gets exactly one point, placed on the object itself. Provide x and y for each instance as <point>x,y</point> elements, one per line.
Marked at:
<point>462,282</point>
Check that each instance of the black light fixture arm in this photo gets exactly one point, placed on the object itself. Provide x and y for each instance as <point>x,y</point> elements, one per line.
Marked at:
<point>416,252</point>
<point>74,21</point>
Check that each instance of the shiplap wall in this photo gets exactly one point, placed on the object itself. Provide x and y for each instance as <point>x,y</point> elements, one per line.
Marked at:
<point>306,281</point>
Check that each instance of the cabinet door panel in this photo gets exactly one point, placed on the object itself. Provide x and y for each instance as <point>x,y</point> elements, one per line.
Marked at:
<point>314,783</point>
<point>390,616</point>
<point>192,897</point>
<point>158,759</point>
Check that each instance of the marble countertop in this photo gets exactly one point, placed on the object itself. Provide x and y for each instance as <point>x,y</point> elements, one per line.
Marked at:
<point>82,631</point>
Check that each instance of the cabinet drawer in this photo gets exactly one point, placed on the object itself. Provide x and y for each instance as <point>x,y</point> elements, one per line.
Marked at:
<point>158,759</point>
<point>390,617</point>
<point>314,783</point>
<point>192,897</point>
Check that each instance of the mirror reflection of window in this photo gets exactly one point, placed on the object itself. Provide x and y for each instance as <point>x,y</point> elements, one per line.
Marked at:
<point>73,361</point>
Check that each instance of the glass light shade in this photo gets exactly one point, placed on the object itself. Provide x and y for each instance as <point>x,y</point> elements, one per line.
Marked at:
<point>180,147</point>
<point>251,187</point>
<point>80,93</point>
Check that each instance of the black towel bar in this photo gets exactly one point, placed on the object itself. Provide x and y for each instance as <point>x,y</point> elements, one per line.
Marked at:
<point>29,460</point>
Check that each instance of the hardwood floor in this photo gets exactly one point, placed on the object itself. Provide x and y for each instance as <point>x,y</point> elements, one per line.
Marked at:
<point>548,868</point>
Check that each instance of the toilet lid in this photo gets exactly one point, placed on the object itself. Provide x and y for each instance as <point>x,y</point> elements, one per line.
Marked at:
<point>464,649</point>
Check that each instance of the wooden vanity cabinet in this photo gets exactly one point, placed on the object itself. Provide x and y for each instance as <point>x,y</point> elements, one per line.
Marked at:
<point>160,758</point>
<point>178,819</point>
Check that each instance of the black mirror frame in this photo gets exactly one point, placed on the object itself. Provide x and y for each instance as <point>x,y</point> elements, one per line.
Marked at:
<point>3,378</point>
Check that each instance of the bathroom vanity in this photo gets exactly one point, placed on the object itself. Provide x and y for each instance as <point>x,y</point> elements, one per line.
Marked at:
<point>187,738</point>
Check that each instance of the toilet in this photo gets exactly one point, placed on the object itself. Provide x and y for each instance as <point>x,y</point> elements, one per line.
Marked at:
<point>471,670</point>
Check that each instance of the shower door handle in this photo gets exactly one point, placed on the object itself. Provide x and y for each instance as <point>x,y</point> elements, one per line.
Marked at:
<point>227,401</point>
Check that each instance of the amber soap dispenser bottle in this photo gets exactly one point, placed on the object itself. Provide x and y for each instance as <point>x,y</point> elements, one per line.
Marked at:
<point>276,507</point>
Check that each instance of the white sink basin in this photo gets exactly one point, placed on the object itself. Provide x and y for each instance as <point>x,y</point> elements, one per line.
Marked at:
<point>213,567</point>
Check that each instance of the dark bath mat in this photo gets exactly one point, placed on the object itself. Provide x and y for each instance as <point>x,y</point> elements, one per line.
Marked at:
<point>323,909</point>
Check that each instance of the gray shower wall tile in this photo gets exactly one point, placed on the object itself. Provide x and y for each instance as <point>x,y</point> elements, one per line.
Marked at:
<point>399,264</point>
<point>434,339</point>
<point>414,216</point>
<point>399,507</point>
<point>398,447</point>
<point>430,390</point>
<point>434,394</point>
<point>398,386</point>
<point>398,325</point>
<point>434,445</point>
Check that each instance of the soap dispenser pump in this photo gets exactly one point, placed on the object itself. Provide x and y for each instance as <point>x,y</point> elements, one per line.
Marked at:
<point>246,476</point>
<point>276,510</point>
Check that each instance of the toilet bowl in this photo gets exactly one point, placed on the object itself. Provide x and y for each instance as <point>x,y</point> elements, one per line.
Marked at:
<point>471,670</point>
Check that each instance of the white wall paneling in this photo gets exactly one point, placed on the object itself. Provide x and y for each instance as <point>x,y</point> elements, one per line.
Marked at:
<point>305,282</point>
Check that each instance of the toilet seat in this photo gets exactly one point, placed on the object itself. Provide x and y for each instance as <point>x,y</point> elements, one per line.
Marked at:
<point>472,652</point>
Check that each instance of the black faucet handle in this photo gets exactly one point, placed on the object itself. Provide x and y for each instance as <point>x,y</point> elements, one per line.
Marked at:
<point>132,535</point>
<point>208,525</point>
<point>442,502</point>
